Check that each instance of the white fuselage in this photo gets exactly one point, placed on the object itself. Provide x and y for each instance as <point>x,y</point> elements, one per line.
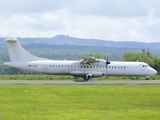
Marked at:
<point>76,69</point>
<point>86,68</point>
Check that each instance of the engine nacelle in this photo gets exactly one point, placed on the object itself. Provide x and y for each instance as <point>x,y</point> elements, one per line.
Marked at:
<point>97,74</point>
<point>89,73</point>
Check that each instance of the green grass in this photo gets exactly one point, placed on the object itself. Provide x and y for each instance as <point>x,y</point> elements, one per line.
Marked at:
<point>79,102</point>
<point>65,77</point>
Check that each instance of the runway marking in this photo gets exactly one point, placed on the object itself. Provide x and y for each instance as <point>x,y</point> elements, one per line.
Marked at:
<point>79,82</point>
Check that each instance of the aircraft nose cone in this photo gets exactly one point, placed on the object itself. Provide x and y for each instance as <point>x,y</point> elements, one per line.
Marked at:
<point>155,72</point>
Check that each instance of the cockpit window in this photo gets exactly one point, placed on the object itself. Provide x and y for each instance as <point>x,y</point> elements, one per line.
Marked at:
<point>145,65</point>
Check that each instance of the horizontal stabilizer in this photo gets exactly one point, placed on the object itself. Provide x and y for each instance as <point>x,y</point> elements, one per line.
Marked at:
<point>10,39</point>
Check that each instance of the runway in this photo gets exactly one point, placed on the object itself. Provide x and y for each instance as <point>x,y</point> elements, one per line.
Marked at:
<point>79,82</point>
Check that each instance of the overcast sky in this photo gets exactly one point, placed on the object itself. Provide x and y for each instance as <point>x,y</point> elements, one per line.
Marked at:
<point>117,20</point>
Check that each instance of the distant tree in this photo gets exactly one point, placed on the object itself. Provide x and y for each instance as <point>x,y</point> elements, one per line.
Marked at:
<point>96,55</point>
<point>143,51</point>
<point>14,70</point>
<point>143,56</point>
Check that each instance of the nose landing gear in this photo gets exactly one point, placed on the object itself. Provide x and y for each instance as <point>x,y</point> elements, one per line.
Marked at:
<point>147,77</point>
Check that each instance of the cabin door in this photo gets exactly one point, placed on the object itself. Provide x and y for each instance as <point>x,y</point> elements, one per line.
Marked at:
<point>107,69</point>
<point>124,68</point>
<point>44,68</point>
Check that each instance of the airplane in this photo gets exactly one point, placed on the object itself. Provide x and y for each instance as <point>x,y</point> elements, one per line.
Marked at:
<point>86,68</point>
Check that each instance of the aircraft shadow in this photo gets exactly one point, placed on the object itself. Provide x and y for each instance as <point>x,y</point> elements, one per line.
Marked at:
<point>79,81</point>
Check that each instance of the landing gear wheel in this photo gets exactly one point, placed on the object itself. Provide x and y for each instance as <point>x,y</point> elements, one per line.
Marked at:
<point>86,78</point>
<point>147,78</point>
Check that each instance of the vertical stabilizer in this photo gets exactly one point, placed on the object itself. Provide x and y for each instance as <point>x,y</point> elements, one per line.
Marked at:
<point>17,52</point>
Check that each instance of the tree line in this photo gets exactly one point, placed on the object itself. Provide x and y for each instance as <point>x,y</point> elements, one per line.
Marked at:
<point>143,56</point>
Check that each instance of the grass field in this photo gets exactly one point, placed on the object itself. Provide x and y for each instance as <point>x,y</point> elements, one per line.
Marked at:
<point>79,102</point>
<point>65,77</point>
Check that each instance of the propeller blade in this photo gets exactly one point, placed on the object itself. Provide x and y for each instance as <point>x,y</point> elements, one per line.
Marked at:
<point>107,62</point>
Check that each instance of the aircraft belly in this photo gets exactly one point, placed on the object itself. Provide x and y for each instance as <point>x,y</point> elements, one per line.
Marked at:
<point>78,73</point>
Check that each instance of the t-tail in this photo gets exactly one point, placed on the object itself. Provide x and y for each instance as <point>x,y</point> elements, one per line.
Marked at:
<point>17,53</point>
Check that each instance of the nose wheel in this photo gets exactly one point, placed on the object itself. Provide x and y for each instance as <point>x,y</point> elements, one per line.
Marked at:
<point>147,77</point>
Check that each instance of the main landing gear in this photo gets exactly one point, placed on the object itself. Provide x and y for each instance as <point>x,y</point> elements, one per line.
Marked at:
<point>87,77</point>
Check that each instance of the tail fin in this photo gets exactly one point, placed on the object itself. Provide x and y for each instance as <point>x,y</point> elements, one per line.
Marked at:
<point>17,52</point>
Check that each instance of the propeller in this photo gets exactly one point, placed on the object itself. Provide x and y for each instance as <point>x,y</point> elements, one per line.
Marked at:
<point>107,62</point>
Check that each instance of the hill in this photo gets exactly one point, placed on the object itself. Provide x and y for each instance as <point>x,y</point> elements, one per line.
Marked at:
<point>66,40</point>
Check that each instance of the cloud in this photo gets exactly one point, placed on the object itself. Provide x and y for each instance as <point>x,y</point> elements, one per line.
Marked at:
<point>29,6</point>
<point>110,8</point>
<point>118,20</point>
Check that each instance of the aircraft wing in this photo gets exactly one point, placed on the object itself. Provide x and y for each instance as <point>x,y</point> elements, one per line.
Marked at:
<point>88,60</point>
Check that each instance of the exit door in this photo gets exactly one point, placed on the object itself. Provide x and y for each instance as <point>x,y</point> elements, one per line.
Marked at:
<point>44,68</point>
<point>124,68</point>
